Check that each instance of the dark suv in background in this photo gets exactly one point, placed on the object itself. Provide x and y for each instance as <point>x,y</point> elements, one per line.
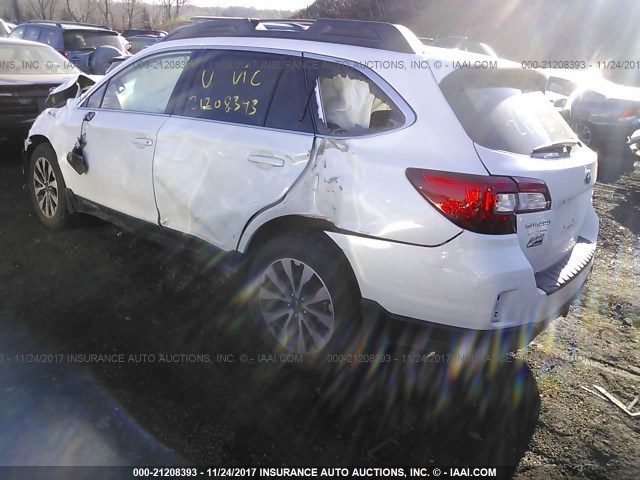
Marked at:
<point>89,47</point>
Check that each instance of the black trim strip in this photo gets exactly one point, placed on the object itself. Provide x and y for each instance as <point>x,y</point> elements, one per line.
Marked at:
<point>568,268</point>
<point>411,244</point>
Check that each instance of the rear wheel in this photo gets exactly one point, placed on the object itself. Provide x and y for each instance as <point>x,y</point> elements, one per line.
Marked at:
<point>47,188</point>
<point>303,293</point>
<point>584,134</point>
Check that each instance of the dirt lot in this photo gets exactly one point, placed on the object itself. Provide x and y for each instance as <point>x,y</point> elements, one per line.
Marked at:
<point>195,386</point>
<point>579,435</point>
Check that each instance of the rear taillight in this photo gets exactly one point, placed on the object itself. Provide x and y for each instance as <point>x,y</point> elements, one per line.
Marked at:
<point>628,113</point>
<point>62,52</point>
<point>481,203</point>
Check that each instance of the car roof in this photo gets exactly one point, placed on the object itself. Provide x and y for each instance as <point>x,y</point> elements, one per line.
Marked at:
<point>67,25</point>
<point>377,35</point>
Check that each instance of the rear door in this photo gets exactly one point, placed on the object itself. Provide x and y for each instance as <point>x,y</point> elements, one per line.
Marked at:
<point>235,145</point>
<point>518,133</point>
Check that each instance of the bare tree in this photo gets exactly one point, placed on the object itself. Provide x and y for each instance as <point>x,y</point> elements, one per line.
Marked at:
<point>165,6</point>
<point>17,11</point>
<point>131,11</point>
<point>81,10</point>
<point>105,9</point>
<point>180,3</point>
<point>44,9</point>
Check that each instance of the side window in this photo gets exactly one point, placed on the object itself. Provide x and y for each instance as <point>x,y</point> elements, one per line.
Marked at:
<point>145,86</point>
<point>32,33</point>
<point>233,86</point>
<point>348,102</point>
<point>18,32</point>
<point>290,108</point>
<point>48,36</point>
<point>95,99</point>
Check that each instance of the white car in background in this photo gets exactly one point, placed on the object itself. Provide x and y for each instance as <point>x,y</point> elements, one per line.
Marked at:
<point>5,28</point>
<point>359,173</point>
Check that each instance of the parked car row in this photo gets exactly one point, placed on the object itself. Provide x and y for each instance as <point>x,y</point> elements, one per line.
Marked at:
<point>602,113</point>
<point>89,47</point>
<point>38,55</point>
<point>28,73</point>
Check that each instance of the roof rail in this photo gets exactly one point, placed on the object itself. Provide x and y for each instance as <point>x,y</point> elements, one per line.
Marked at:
<point>48,22</point>
<point>62,23</point>
<point>360,33</point>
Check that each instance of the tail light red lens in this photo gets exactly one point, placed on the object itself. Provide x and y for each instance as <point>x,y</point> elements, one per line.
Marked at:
<point>62,52</point>
<point>629,113</point>
<point>481,203</point>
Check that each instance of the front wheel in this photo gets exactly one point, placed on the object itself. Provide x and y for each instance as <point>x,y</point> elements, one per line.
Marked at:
<point>304,293</point>
<point>46,187</point>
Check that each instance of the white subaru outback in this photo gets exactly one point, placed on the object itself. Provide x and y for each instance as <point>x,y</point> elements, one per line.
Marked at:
<point>358,173</point>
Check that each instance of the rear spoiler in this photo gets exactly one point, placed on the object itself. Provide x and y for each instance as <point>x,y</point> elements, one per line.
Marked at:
<point>72,88</point>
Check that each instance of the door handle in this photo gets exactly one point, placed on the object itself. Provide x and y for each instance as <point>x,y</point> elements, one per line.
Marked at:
<point>270,160</point>
<point>142,141</point>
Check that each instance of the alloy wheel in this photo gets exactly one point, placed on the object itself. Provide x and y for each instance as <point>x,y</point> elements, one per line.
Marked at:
<point>296,306</point>
<point>45,187</point>
<point>584,133</point>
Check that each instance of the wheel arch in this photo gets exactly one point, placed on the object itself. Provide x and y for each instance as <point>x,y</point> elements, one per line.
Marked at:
<point>34,142</point>
<point>298,224</point>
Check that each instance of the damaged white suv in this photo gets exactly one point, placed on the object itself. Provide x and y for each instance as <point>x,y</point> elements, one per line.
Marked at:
<point>359,173</point>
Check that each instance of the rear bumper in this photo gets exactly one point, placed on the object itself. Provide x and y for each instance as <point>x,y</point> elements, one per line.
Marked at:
<point>425,337</point>
<point>474,285</point>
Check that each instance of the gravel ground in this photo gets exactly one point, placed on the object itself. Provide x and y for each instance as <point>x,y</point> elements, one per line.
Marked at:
<point>178,397</point>
<point>579,435</point>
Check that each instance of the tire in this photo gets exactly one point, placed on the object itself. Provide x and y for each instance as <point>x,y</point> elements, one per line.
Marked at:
<point>303,294</point>
<point>47,188</point>
<point>101,57</point>
<point>584,133</point>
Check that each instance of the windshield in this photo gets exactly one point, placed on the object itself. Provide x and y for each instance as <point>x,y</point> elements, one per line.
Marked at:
<point>33,60</point>
<point>80,39</point>
<point>504,114</point>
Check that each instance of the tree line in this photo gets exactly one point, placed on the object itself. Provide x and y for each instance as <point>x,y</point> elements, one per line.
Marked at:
<point>122,14</point>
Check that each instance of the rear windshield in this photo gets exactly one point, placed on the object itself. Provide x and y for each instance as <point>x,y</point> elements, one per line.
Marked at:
<point>79,39</point>
<point>505,110</point>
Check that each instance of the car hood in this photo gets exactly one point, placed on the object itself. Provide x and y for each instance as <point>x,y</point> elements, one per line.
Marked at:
<point>72,87</point>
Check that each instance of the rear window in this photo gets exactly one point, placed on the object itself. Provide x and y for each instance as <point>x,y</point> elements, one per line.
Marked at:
<point>81,39</point>
<point>505,109</point>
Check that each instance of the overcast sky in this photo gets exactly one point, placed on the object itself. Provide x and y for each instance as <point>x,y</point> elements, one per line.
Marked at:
<point>271,4</point>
